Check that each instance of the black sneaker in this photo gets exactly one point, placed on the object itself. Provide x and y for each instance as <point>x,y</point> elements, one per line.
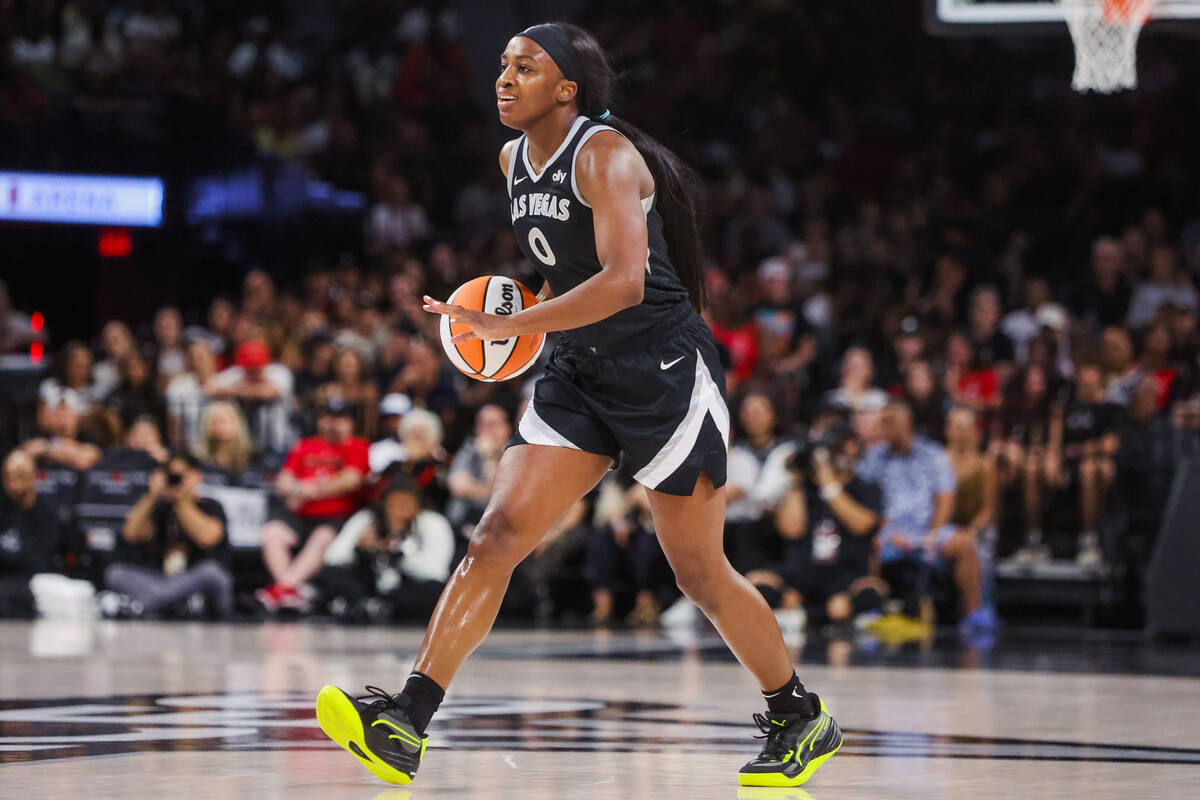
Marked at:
<point>795,747</point>
<point>377,732</point>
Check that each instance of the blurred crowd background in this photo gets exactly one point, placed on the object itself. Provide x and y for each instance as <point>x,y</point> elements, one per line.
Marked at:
<point>916,247</point>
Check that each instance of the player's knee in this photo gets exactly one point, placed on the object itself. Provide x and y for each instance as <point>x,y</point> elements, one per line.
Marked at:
<point>698,580</point>
<point>495,540</point>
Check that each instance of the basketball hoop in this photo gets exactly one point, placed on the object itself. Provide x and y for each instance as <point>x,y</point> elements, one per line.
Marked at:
<point>1106,35</point>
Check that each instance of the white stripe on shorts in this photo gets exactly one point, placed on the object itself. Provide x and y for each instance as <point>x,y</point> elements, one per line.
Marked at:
<point>706,399</point>
<point>535,430</point>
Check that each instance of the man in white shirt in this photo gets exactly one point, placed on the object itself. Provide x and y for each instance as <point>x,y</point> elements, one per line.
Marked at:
<point>757,479</point>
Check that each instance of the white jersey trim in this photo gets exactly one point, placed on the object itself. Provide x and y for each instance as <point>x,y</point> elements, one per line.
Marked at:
<point>512,162</point>
<point>537,176</point>
<point>706,400</point>
<point>535,430</point>
<point>647,202</point>
<point>589,133</point>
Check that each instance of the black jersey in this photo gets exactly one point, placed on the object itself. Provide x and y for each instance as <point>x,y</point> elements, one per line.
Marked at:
<point>553,226</point>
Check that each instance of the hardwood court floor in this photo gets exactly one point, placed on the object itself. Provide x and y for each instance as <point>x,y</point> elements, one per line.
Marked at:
<point>140,710</point>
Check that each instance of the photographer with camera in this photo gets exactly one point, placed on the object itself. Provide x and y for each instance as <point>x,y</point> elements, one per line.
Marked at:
<point>390,560</point>
<point>828,519</point>
<point>173,547</point>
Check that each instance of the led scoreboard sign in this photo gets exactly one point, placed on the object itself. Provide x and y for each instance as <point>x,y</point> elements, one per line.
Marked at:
<point>81,199</point>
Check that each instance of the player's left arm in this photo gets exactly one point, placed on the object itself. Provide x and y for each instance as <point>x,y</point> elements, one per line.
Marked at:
<point>612,175</point>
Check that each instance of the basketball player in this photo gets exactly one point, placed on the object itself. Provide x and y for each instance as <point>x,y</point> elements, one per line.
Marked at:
<point>607,216</point>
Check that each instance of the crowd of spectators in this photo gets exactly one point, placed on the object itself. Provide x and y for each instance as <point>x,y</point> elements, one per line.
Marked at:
<point>988,296</point>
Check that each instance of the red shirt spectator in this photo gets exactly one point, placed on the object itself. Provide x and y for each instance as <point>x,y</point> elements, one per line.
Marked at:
<point>742,344</point>
<point>314,462</point>
<point>315,457</point>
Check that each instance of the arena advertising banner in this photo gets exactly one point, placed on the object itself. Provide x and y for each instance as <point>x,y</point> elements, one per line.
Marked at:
<point>81,199</point>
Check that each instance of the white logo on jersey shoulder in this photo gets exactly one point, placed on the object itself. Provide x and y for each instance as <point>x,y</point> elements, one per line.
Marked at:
<point>518,180</point>
<point>665,365</point>
<point>559,176</point>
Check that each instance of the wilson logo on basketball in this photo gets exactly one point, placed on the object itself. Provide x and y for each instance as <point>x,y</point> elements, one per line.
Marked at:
<point>500,359</point>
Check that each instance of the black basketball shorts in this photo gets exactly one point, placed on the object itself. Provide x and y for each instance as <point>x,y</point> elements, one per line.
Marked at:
<point>658,399</point>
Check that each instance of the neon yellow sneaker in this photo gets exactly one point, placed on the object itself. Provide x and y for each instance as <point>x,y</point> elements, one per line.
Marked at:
<point>794,749</point>
<point>378,732</point>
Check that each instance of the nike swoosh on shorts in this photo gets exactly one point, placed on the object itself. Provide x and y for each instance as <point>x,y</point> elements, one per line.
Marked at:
<point>665,365</point>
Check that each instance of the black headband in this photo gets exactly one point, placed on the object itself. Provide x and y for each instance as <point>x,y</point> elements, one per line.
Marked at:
<point>557,46</point>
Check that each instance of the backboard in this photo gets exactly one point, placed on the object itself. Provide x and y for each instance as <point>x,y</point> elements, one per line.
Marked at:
<point>994,17</point>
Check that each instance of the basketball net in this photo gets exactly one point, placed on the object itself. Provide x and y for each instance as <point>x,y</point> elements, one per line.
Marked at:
<point>1106,35</point>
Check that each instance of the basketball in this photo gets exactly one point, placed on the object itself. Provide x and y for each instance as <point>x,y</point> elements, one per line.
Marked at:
<point>498,360</point>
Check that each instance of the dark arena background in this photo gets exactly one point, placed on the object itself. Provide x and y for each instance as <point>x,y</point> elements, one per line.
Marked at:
<point>217,222</point>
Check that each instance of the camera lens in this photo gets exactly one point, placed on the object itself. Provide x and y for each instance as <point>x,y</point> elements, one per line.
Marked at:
<point>174,479</point>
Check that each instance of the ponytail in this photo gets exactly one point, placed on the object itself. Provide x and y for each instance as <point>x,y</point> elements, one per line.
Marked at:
<point>675,183</point>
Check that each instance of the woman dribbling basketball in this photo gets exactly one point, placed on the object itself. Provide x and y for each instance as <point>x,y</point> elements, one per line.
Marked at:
<point>607,216</point>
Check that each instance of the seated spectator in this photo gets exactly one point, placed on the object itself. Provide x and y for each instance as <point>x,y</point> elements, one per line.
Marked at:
<point>1023,441</point>
<point>351,384</point>
<point>828,518</point>
<point>186,397</point>
<point>1164,285</point>
<point>1024,324</point>
<point>144,435</point>
<point>136,392</point>
<point>396,220</point>
<point>1080,455</point>
<point>474,466</point>
<point>918,486</point>
<point>926,399</point>
<point>1104,300</point>
<point>624,554</point>
<point>856,394</point>
<point>225,440</point>
<point>321,485</point>
<point>993,349</point>
<point>427,377</point>
<point>167,355</point>
<point>757,478</point>
<point>71,383</point>
<point>392,409</point>
<point>1121,372</point>
<point>262,389</point>
<point>785,341</point>
<point>968,382</point>
<point>117,343</point>
<point>975,490</point>
<point>418,454</point>
<point>29,536</point>
<point>317,366</point>
<point>173,547</point>
<point>219,330</point>
<point>1155,361</point>
<point>390,560</point>
<point>61,443</point>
